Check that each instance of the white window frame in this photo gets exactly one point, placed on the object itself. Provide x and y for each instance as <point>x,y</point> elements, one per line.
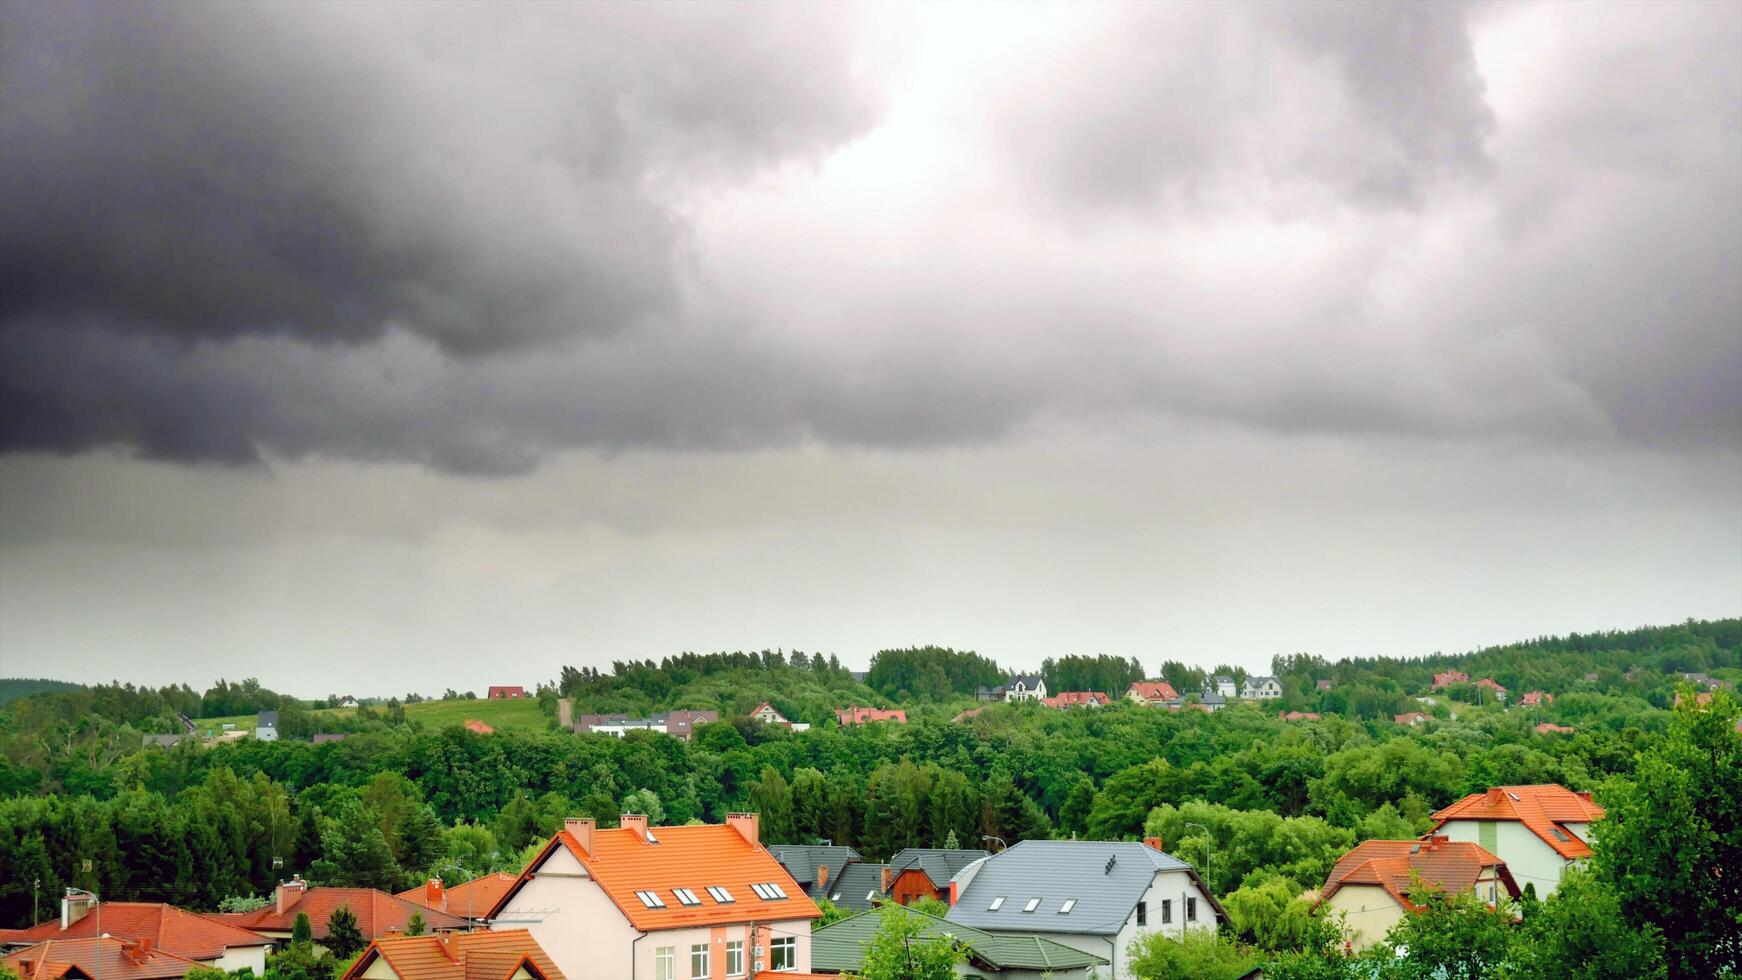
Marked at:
<point>787,944</point>
<point>1065,909</point>
<point>1191,908</point>
<point>734,957</point>
<point>685,896</point>
<point>1033,904</point>
<point>997,903</point>
<point>651,899</point>
<point>721,894</point>
<point>665,963</point>
<point>706,958</point>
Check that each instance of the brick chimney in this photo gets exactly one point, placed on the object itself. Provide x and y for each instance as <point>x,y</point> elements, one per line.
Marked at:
<point>748,826</point>
<point>139,950</point>
<point>289,893</point>
<point>888,878</point>
<point>636,822</point>
<point>1154,842</point>
<point>581,829</point>
<point>822,875</point>
<point>1583,794</point>
<point>434,895</point>
<point>74,907</point>
<point>1494,795</point>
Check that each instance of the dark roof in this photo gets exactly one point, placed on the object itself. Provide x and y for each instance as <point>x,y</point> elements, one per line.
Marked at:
<point>840,947</point>
<point>1031,681</point>
<point>939,864</point>
<point>267,719</point>
<point>1106,878</point>
<point>167,741</point>
<point>801,860</point>
<point>857,887</point>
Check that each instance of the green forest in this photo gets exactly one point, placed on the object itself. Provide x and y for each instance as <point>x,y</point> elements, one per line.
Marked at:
<point>1265,805</point>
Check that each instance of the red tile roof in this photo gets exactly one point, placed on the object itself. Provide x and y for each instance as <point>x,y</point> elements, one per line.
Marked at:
<point>505,691</point>
<point>1449,866</point>
<point>1449,677</point>
<point>1411,717</point>
<point>170,929</point>
<point>1534,698</point>
<point>1550,728</point>
<point>1544,809</point>
<point>1301,716</point>
<point>1071,699</point>
<point>1152,690</point>
<point>120,960</point>
<point>1491,684</point>
<point>469,898</point>
<point>856,715</point>
<point>459,956</point>
<point>622,862</point>
<point>378,913</point>
<point>479,727</point>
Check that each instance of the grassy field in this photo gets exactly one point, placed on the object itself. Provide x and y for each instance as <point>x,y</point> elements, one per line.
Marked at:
<point>521,715</point>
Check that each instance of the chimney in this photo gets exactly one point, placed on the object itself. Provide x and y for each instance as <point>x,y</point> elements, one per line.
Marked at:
<point>888,878</point>
<point>1154,842</point>
<point>289,893</point>
<point>581,829</point>
<point>434,895</point>
<point>565,712</point>
<point>1494,793</point>
<point>73,907</point>
<point>1584,794</point>
<point>822,875</point>
<point>748,826</point>
<point>140,949</point>
<point>636,822</point>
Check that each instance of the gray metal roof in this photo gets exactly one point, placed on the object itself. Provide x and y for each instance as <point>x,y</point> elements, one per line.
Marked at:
<point>1030,681</point>
<point>801,860</point>
<point>1107,878</point>
<point>267,719</point>
<point>939,864</point>
<point>855,885</point>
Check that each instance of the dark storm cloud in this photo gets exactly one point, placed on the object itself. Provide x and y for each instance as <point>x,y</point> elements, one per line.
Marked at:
<point>470,237</point>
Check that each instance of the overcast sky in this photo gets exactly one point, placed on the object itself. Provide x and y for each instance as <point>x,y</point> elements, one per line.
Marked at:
<point>374,348</point>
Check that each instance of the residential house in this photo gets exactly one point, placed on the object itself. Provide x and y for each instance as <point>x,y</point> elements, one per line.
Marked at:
<point>1153,693</point>
<point>1493,687</point>
<point>1322,685</point>
<point>681,725</point>
<point>856,715</point>
<point>925,872</point>
<point>468,899</point>
<point>768,715</point>
<point>505,692</point>
<point>861,885</point>
<point>815,867</point>
<point>1024,687</point>
<point>106,957</point>
<point>162,927</point>
<point>1301,716</point>
<point>1262,688</point>
<point>474,725</point>
<point>1414,719</point>
<point>1224,685</point>
<point>1375,884</point>
<point>1702,679</point>
<point>346,702</point>
<point>378,914</point>
<point>511,954</point>
<point>161,741</point>
<point>1209,702</point>
<point>266,726</point>
<point>1536,699</point>
<point>1536,830</point>
<point>1077,699</point>
<point>677,724</point>
<point>322,738</point>
<point>661,903</point>
<point>1550,728</point>
<point>840,948</point>
<point>1446,678</point>
<point>1093,896</point>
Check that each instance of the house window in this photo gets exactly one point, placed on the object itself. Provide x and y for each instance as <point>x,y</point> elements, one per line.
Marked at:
<point>1033,904</point>
<point>651,899</point>
<point>768,891</point>
<point>997,903</point>
<point>699,966</point>
<point>1065,909</point>
<point>734,957</point>
<point>1166,911</point>
<point>720,894</point>
<point>1191,910</point>
<point>686,897</point>
<point>1143,913</point>
<point>665,963</point>
<point>783,953</point>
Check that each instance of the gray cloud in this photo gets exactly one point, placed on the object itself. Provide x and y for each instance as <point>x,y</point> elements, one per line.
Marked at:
<point>471,239</point>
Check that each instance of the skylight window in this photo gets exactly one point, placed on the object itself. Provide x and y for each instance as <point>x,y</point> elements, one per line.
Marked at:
<point>651,899</point>
<point>1559,834</point>
<point>871,896</point>
<point>721,895</point>
<point>686,897</point>
<point>768,890</point>
<point>997,903</point>
<point>1065,909</point>
<point>1033,904</point>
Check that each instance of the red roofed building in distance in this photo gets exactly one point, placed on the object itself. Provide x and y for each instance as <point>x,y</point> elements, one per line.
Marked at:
<point>640,901</point>
<point>1536,830</point>
<point>172,930</point>
<point>106,957</point>
<point>510,954</point>
<point>1492,686</point>
<point>1449,677</point>
<point>1536,699</point>
<point>468,899</point>
<point>1077,699</point>
<point>505,692</point>
<point>1550,728</point>
<point>1301,716</point>
<point>1372,885</point>
<point>856,715</point>
<point>1412,718</point>
<point>474,725</point>
<point>1153,693</point>
<point>378,913</point>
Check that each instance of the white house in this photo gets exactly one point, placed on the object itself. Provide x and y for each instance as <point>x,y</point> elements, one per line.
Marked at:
<point>266,726</point>
<point>1025,687</point>
<point>661,903</point>
<point>1094,896</point>
<point>1224,685</point>
<point>1264,688</point>
<point>1372,884</point>
<point>1537,830</point>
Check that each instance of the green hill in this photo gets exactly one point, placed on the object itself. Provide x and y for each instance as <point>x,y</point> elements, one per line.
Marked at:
<point>13,688</point>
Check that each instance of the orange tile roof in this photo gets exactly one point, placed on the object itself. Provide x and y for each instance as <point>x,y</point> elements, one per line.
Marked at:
<point>1067,699</point>
<point>623,863</point>
<point>1411,717</point>
<point>120,960</point>
<point>1153,690</point>
<point>1544,809</point>
<point>378,913</point>
<point>1449,866</point>
<point>173,930</point>
<point>459,956</point>
<point>479,727</point>
<point>1550,728</point>
<point>468,898</point>
<point>856,715</point>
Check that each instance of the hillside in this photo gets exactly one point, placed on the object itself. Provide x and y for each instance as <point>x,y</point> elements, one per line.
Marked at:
<point>502,715</point>
<point>12,688</point>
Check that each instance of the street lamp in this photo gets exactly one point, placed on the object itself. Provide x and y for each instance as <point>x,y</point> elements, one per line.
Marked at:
<point>1208,841</point>
<point>994,837</point>
<point>97,908</point>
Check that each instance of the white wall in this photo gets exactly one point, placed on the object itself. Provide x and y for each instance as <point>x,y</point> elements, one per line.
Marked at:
<point>1369,912</point>
<point>682,939</point>
<point>237,957</point>
<point>1174,885</point>
<point>584,932</point>
<point>1527,856</point>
